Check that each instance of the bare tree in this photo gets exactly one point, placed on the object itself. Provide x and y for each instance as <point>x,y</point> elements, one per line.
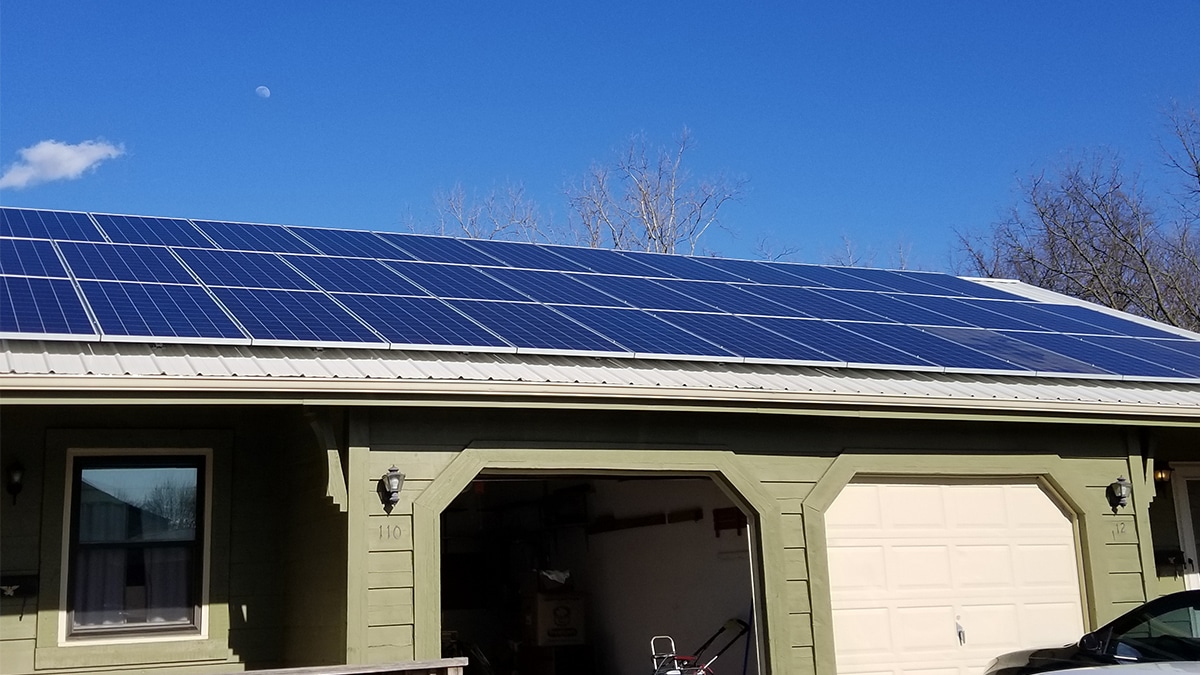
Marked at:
<point>1089,231</point>
<point>647,200</point>
<point>504,212</point>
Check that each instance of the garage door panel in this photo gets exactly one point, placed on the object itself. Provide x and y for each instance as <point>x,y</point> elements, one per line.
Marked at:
<point>925,628</point>
<point>864,632</point>
<point>909,562</point>
<point>919,567</point>
<point>983,566</point>
<point>860,568</point>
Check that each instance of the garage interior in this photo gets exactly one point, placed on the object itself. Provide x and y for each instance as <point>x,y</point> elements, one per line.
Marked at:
<point>575,574</point>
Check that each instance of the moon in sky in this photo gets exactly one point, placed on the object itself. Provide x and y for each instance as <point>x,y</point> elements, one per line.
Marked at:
<point>263,92</point>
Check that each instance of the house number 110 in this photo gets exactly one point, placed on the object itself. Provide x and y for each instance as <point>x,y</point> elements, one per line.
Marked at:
<point>389,532</point>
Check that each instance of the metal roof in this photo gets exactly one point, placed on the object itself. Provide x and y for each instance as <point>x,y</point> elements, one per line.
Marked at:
<point>50,370</point>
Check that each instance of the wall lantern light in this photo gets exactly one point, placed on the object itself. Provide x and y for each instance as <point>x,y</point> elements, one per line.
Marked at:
<point>389,488</point>
<point>14,475</point>
<point>1118,493</point>
<point>1162,475</point>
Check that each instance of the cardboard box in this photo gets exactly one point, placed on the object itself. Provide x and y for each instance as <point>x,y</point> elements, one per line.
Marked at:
<point>555,619</point>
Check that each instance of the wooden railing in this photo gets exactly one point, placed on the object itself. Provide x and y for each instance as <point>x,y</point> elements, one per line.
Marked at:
<point>436,667</point>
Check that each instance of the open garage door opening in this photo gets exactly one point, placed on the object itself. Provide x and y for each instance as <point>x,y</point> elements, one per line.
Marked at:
<point>575,574</point>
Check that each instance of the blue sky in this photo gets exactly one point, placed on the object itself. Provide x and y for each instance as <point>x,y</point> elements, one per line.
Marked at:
<point>883,123</point>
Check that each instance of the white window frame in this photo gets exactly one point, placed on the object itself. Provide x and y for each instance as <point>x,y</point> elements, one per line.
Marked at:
<point>200,632</point>
<point>1181,473</point>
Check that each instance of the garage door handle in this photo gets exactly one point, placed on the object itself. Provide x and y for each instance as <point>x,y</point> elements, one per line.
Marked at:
<point>962,633</point>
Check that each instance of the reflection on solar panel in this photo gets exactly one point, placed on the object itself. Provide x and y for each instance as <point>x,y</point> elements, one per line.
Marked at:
<point>142,230</point>
<point>168,279</point>
<point>30,258</point>
<point>157,311</point>
<point>33,308</point>
<point>247,237</point>
<point>48,225</point>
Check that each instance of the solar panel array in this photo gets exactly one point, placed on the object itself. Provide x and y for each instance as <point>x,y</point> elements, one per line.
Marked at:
<point>79,276</point>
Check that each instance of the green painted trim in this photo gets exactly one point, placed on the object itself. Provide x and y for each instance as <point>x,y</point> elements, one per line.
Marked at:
<point>1139,504</point>
<point>1049,470</point>
<point>357,544</point>
<point>336,488</point>
<point>721,466</point>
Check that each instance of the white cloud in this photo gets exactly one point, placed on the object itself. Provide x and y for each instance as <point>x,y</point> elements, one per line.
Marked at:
<point>54,160</point>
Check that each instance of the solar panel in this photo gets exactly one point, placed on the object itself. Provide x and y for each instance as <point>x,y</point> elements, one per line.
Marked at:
<point>353,275</point>
<point>143,230</point>
<point>48,225</point>
<point>552,287</point>
<point>158,311</point>
<point>124,262</point>
<point>438,249</point>
<point>682,267</point>
<point>249,270</point>
<point>1108,360</point>
<point>840,343</point>
<point>302,317</point>
<point>642,332</point>
<point>525,256</point>
<point>535,327</point>
<point>727,297</point>
<point>604,261</point>
<point>827,277</point>
<point>352,243</point>
<point>455,281</point>
<point>643,293</point>
<point>806,302</point>
<point>418,321</point>
<point>314,286</point>
<point>248,237</point>
<point>30,257</point>
<point>1021,354</point>
<point>745,337</point>
<point>33,308</point>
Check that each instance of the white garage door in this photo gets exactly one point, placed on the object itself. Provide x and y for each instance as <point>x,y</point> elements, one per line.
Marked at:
<point>941,578</point>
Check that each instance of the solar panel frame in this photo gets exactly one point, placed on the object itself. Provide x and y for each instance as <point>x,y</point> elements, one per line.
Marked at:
<point>727,297</point>
<point>1020,353</point>
<point>150,230</point>
<point>813,276</point>
<point>1114,362</point>
<point>607,261</point>
<point>815,304</point>
<point>30,258</point>
<point>682,267</point>
<point>38,224</point>
<point>844,345</point>
<point>642,293</point>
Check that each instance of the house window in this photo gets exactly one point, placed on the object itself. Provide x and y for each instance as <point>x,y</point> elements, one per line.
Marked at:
<point>136,556</point>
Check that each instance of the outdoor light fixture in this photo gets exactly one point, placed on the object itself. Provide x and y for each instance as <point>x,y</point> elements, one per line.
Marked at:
<point>15,479</point>
<point>1162,475</point>
<point>389,488</point>
<point>1118,493</point>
